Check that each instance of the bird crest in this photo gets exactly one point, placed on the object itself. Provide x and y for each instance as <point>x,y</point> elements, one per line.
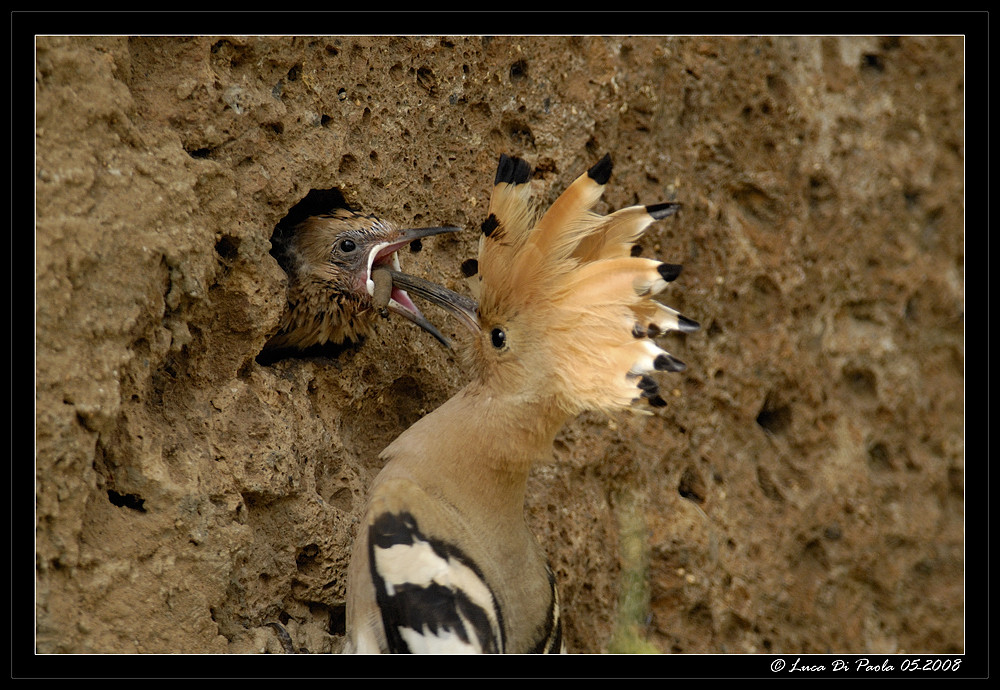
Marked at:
<point>566,312</point>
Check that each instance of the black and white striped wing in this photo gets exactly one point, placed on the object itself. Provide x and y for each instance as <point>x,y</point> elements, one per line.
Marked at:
<point>432,598</point>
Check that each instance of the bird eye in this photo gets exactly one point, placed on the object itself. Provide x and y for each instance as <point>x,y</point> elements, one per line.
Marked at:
<point>498,338</point>
<point>347,246</point>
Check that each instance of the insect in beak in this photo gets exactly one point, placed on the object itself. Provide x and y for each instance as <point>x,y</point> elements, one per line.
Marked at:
<point>389,286</point>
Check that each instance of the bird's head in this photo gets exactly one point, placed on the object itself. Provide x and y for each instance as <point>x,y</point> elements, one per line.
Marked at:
<point>331,259</point>
<point>566,313</point>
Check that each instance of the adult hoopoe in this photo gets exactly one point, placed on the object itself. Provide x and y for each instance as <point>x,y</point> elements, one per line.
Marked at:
<point>443,561</point>
<point>343,271</point>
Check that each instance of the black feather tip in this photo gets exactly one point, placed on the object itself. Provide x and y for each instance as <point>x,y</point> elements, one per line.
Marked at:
<point>669,272</point>
<point>668,363</point>
<point>470,267</point>
<point>648,385</point>
<point>512,170</point>
<point>686,325</point>
<point>490,224</point>
<point>600,172</point>
<point>658,211</point>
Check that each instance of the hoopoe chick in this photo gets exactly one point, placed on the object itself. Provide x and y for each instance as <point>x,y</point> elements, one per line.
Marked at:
<point>343,271</point>
<point>444,561</point>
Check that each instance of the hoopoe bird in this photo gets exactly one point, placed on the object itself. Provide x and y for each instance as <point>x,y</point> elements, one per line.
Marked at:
<point>344,271</point>
<point>564,322</point>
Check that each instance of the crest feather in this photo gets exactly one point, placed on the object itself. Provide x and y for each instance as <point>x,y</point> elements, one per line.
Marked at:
<point>569,219</point>
<point>619,231</point>
<point>509,220</point>
<point>589,300</point>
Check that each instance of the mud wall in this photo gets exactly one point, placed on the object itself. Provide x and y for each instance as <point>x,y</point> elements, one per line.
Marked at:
<point>802,491</point>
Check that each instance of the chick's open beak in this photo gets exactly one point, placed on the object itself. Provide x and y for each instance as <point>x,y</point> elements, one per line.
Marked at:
<point>388,285</point>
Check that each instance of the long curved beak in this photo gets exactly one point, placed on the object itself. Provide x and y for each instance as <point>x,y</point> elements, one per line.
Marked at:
<point>463,308</point>
<point>389,286</point>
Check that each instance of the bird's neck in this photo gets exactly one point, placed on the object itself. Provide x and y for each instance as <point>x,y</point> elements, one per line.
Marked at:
<point>481,441</point>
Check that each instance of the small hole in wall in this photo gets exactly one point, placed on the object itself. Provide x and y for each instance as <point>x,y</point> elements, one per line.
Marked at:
<point>276,127</point>
<point>873,62</point>
<point>861,381</point>
<point>692,486</point>
<point>470,267</point>
<point>133,501</point>
<point>519,70</point>
<point>227,247</point>
<point>338,620</point>
<point>774,417</point>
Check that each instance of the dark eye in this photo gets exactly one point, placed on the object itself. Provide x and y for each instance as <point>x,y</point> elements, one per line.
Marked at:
<point>498,338</point>
<point>347,246</point>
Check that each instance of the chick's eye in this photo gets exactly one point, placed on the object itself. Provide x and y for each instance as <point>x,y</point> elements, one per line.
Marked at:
<point>347,246</point>
<point>498,338</point>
